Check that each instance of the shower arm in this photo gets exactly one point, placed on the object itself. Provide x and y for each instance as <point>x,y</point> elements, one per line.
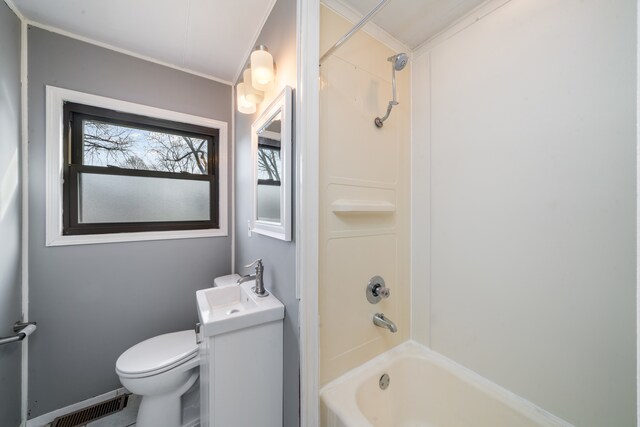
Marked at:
<point>354,30</point>
<point>393,88</point>
<point>379,121</point>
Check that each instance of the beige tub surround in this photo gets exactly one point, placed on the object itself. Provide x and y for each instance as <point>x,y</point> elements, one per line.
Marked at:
<point>364,199</point>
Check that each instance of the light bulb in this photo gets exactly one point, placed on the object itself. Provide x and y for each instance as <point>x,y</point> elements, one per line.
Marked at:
<point>244,105</point>
<point>261,68</point>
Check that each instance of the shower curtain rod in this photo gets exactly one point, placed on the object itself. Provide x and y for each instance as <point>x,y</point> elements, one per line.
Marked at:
<point>354,30</point>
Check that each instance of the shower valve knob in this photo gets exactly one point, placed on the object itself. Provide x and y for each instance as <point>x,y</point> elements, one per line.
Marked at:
<point>383,292</point>
<point>376,290</point>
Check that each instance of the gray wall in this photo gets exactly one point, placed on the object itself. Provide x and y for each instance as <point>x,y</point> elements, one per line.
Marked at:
<point>279,35</point>
<point>92,302</point>
<point>10,213</point>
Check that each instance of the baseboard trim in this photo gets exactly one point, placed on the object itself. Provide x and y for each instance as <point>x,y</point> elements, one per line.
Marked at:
<point>45,419</point>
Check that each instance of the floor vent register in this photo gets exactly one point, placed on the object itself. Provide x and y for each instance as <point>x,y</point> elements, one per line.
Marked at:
<point>92,413</point>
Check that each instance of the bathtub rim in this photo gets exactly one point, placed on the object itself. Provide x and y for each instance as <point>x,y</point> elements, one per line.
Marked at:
<point>339,395</point>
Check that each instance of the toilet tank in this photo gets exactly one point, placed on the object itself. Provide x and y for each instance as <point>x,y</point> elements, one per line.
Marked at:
<point>228,280</point>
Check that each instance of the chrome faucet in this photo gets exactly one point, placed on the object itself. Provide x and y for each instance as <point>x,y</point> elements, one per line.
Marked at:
<point>246,278</point>
<point>383,322</point>
<point>258,289</point>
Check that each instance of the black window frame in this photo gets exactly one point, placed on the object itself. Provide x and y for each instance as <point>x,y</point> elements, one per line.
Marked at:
<point>73,116</point>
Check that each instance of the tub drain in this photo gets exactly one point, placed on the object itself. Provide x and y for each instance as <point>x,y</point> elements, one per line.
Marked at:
<point>384,381</point>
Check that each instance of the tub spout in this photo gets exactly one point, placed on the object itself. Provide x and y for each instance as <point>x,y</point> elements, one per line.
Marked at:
<point>382,322</point>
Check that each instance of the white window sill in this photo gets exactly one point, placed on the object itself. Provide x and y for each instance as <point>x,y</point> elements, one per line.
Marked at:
<point>88,239</point>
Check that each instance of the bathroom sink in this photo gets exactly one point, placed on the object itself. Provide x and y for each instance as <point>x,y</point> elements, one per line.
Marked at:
<point>235,307</point>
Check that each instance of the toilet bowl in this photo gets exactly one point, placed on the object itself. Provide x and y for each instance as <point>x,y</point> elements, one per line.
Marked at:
<point>160,369</point>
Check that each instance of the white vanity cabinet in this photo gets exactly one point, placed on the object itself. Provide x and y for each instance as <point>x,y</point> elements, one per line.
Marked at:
<point>241,357</point>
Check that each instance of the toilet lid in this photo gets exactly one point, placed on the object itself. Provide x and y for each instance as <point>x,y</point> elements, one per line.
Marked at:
<point>158,352</point>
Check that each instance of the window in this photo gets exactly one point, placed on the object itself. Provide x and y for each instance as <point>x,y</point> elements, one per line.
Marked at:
<point>118,171</point>
<point>125,172</point>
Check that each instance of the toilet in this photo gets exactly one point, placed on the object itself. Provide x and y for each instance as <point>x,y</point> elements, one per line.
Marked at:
<point>162,369</point>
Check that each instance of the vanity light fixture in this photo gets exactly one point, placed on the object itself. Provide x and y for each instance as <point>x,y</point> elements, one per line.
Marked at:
<point>261,68</point>
<point>244,105</point>
<point>256,79</point>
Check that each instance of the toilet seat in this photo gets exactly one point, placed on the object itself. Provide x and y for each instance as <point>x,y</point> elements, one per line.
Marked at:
<point>158,354</point>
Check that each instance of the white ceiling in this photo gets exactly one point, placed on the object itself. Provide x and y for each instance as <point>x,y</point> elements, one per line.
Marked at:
<point>414,21</point>
<point>211,37</point>
<point>214,37</point>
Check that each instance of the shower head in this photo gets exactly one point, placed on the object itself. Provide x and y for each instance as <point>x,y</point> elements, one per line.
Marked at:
<point>399,61</point>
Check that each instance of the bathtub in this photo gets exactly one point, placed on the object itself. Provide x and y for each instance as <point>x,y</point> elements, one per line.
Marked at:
<point>425,389</point>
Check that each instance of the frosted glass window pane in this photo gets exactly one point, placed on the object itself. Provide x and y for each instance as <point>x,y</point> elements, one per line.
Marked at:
<point>116,198</point>
<point>269,203</point>
<point>108,144</point>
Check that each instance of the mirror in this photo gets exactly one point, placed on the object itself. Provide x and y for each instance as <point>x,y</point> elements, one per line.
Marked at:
<point>271,149</point>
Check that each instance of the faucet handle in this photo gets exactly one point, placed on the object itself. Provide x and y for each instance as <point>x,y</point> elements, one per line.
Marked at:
<point>257,263</point>
<point>381,292</point>
<point>376,290</point>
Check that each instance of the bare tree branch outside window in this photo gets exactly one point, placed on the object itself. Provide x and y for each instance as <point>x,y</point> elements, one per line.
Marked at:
<point>268,163</point>
<point>106,144</point>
